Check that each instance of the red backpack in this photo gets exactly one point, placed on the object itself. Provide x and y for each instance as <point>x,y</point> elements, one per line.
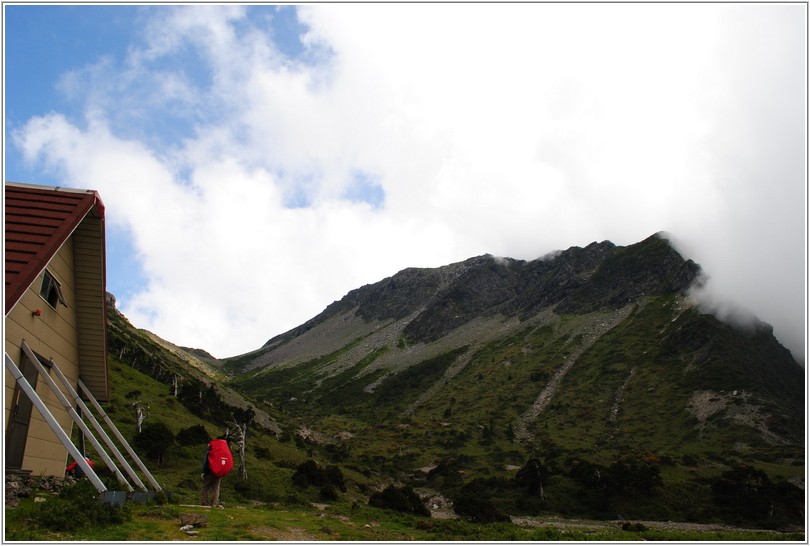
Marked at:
<point>220,460</point>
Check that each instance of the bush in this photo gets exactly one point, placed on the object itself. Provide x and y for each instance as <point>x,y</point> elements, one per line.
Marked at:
<point>329,493</point>
<point>478,510</point>
<point>447,473</point>
<point>77,506</point>
<point>634,476</point>
<point>263,453</point>
<point>479,499</point>
<point>154,441</point>
<point>166,497</point>
<point>689,460</point>
<point>195,435</point>
<point>335,477</point>
<point>60,515</point>
<point>746,495</point>
<point>531,477</point>
<point>310,473</point>
<point>401,499</point>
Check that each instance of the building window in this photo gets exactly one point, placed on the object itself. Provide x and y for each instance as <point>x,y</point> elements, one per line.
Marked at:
<point>51,290</point>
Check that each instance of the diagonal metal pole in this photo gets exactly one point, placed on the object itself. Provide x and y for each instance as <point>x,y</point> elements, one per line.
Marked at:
<point>118,435</point>
<point>73,415</point>
<point>53,423</point>
<point>104,436</point>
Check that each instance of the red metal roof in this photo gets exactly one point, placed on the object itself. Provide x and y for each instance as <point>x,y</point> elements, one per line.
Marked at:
<point>38,221</point>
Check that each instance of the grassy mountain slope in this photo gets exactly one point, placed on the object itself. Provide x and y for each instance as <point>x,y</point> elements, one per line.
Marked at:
<point>619,330</point>
<point>594,354</point>
<point>584,384</point>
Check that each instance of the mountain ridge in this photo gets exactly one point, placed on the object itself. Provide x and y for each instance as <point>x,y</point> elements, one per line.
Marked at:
<point>463,286</point>
<point>383,332</point>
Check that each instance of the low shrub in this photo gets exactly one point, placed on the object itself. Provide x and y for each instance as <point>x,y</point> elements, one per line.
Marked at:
<point>329,493</point>
<point>263,453</point>
<point>59,515</point>
<point>479,510</point>
<point>77,506</point>
<point>154,441</point>
<point>401,499</point>
<point>196,435</point>
<point>311,473</point>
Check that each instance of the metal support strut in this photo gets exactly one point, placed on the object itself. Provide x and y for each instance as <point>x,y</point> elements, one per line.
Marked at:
<point>63,437</point>
<point>77,455</point>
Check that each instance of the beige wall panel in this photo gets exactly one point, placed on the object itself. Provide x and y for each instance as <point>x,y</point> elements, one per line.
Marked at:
<point>62,266</point>
<point>53,335</point>
<point>42,443</point>
<point>41,430</point>
<point>21,324</point>
<point>16,332</point>
<point>37,331</point>
<point>52,402</point>
<point>10,383</point>
<point>49,459</point>
<point>54,332</point>
<point>44,453</point>
<point>88,250</point>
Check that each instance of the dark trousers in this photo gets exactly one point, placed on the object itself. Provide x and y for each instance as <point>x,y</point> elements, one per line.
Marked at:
<point>210,490</point>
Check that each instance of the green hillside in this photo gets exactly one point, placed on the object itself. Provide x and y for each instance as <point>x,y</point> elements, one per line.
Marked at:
<point>595,358</point>
<point>269,506</point>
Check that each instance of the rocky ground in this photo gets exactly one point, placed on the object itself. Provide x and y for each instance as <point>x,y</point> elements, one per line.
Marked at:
<point>21,486</point>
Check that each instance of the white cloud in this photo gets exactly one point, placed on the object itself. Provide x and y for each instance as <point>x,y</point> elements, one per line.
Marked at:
<point>509,129</point>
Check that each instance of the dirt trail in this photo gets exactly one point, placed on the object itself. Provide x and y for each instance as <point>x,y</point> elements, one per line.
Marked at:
<point>586,525</point>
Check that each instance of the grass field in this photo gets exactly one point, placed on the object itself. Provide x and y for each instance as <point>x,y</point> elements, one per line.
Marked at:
<point>355,523</point>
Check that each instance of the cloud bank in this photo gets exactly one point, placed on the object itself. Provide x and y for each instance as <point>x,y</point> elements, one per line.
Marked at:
<point>257,186</point>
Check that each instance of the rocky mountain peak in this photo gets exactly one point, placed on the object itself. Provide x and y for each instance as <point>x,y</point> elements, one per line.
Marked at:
<point>576,280</point>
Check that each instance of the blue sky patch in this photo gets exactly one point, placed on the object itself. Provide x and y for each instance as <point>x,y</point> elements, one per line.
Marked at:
<point>365,188</point>
<point>287,31</point>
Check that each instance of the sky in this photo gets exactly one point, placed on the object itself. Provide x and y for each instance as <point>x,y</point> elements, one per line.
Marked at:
<point>258,162</point>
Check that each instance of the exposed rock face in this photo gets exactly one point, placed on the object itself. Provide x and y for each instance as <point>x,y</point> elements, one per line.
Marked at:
<point>628,273</point>
<point>577,280</point>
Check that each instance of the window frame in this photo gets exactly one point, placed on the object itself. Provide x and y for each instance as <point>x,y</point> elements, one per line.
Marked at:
<point>51,290</point>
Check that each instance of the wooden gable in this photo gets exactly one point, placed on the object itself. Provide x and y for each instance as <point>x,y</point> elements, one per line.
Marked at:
<point>39,221</point>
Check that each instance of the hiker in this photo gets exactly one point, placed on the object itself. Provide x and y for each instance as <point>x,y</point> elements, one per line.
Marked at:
<point>75,470</point>
<point>216,465</point>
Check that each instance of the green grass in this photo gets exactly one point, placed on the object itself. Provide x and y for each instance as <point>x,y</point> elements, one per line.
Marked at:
<point>338,522</point>
<point>346,523</point>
